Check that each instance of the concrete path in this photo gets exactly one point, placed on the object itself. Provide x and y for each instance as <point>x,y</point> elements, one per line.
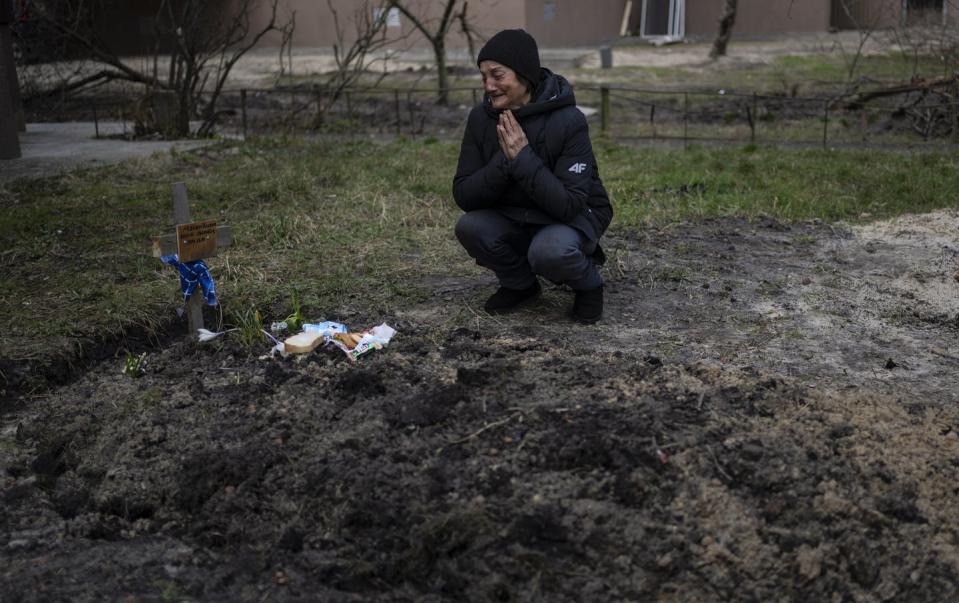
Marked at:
<point>53,148</point>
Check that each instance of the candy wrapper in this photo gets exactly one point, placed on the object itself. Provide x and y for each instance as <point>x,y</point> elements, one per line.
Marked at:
<point>355,345</point>
<point>327,328</point>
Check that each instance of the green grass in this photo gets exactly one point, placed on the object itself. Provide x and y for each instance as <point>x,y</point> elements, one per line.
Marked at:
<point>791,185</point>
<point>835,67</point>
<point>807,74</point>
<point>352,227</point>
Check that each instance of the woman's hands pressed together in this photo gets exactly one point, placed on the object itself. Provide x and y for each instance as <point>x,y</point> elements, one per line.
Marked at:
<point>512,139</point>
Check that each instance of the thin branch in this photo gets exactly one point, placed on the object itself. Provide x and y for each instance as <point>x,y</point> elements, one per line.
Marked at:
<point>100,77</point>
<point>413,19</point>
<point>922,85</point>
<point>486,428</point>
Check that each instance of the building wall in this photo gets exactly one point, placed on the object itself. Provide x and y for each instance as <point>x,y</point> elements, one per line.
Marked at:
<point>128,25</point>
<point>866,14</point>
<point>759,16</point>
<point>315,26</point>
<point>551,22</point>
<point>574,22</point>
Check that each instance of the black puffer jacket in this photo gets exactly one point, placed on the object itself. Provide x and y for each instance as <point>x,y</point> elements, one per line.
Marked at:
<point>554,179</point>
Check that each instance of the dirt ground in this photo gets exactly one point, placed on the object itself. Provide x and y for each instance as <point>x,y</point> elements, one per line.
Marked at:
<point>767,412</point>
<point>259,67</point>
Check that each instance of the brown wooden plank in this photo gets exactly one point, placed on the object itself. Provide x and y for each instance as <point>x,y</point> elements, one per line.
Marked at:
<point>181,205</point>
<point>194,310</point>
<point>166,244</point>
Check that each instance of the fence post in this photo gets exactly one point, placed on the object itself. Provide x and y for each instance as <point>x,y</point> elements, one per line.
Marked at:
<point>396,103</point>
<point>96,122</point>
<point>604,108</point>
<point>685,120</point>
<point>409,108</point>
<point>955,127</point>
<point>754,121</point>
<point>243,110</point>
<point>318,99</point>
<point>349,109</point>
<point>825,124</point>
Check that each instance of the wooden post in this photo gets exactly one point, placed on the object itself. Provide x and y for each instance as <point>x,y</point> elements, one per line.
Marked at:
<point>409,107</point>
<point>169,244</point>
<point>181,215</point>
<point>604,108</point>
<point>396,103</point>
<point>318,99</point>
<point>243,110</point>
<point>624,24</point>
<point>825,124</point>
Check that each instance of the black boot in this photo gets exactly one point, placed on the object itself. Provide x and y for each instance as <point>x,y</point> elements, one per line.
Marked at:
<point>505,299</point>
<point>588,305</point>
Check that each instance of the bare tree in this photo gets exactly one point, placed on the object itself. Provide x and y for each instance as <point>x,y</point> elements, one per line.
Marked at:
<point>354,59</point>
<point>436,37</point>
<point>199,42</point>
<point>286,45</point>
<point>928,101</point>
<point>726,22</point>
<point>469,32</point>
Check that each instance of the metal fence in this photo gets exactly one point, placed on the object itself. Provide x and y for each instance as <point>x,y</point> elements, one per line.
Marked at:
<point>409,111</point>
<point>622,112</point>
<point>723,116</point>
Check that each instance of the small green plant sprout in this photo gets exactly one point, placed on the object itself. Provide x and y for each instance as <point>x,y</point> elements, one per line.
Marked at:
<point>295,320</point>
<point>133,365</point>
<point>250,328</point>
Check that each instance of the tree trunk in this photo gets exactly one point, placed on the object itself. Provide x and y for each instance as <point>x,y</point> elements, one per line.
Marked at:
<point>184,107</point>
<point>443,93</point>
<point>725,30</point>
<point>6,52</point>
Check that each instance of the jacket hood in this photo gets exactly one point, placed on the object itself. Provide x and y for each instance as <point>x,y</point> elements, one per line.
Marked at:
<point>552,93</point>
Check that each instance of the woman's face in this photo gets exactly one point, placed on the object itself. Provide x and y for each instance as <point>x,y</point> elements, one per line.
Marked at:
<point>504,89</point>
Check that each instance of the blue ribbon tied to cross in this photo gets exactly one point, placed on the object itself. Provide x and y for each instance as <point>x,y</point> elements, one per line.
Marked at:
<point>192,274</point>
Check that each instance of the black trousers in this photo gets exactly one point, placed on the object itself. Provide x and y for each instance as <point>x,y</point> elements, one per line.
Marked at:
<point>518,252</point>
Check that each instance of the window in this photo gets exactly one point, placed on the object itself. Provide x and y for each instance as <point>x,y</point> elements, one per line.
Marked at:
<point>392,16</point>
<point>549,10</point>
<point>663,19</point>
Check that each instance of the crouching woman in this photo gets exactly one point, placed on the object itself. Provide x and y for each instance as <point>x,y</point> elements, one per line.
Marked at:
<point>528,182</point>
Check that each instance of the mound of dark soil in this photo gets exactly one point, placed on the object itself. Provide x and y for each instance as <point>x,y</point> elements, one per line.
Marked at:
<point>475,466</point>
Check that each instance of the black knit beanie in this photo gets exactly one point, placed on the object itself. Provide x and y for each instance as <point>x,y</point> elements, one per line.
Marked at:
<point>517,50</point>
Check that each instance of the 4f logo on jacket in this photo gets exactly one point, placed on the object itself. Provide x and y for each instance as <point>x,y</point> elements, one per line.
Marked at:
<point>578,168</point>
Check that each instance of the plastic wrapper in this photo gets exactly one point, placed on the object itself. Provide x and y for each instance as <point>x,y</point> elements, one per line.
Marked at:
<point>355,345</point>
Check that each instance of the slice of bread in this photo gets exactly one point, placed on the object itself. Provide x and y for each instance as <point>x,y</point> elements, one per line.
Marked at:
<point>301,343</point>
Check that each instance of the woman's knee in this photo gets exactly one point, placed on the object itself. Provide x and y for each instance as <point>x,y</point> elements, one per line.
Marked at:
<point>553,257</point>
<point>473,227</point>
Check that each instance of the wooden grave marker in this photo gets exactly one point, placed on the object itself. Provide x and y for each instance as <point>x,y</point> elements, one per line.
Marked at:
<point>191,241</point>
